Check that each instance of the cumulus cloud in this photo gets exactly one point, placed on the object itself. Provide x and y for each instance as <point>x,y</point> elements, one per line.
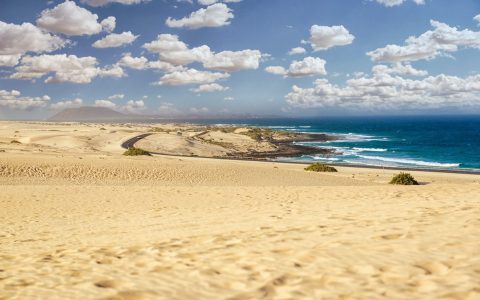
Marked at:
<point>109,24</point>
<point>325,37</point>
<point>309,66</point>
<point>66,104</point>
<point>142,63</point>
<point>297,50</point>
<point>16,40</point>
<point>70,19</point>
<point>105,103</point>
<point>216,15</point>
<point>384,91</point>
<point>442,40</point>
<point>191,76</point>
<point>114,40</point>
<point>477,18</point>
<point>232,61</point>
<point>390,3</point>
<point>170,49</point>
<point>63,68</point>
<point>210,88</point>
<point>133,106</point>
<point>398,69</point>
<point>97,3</point>
<point>14,100</point>
<point>9,60</point>
<point>116,96</point>
<point>174,51</point>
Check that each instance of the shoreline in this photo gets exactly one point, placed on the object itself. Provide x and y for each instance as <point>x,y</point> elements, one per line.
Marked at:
<point>131,143</point>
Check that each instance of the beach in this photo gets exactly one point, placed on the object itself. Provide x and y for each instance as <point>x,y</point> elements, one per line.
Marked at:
<point>81,221</point>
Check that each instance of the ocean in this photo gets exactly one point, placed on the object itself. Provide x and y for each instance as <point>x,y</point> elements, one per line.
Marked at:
<point>426,142</point>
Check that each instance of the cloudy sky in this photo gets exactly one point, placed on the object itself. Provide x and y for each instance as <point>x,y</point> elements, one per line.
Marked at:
<point>282,57</point>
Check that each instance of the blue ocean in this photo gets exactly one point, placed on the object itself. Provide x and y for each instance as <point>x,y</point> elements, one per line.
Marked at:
<point>440,142</point>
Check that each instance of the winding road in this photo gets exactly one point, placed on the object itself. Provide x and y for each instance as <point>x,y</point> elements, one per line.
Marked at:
<point>130,143</point>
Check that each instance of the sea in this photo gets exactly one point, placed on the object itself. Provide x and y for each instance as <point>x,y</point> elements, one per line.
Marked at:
<point>420,142</point>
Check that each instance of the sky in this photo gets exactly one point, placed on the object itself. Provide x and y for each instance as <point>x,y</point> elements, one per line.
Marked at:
<point>263,57</point>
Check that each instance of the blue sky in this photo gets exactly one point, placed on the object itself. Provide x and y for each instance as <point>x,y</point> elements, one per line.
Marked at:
<point>173,57</point>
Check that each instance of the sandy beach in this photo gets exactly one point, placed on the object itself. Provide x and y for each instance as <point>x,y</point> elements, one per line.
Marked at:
<point>78,220</point>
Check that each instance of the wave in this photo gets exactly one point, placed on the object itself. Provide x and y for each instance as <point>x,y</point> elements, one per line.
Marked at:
<point>369,149</point>
<point>410,161</point>
<point>316,157</point>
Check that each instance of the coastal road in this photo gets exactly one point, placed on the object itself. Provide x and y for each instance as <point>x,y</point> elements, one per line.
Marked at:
<point>131,142</point>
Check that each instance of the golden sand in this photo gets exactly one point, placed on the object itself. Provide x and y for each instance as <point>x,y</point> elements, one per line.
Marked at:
<point>80,221</point>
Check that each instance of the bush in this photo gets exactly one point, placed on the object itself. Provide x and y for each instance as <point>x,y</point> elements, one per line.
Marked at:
<point>318,167</point>
<point>136,152</point>
<point>15,142</point>
<point>403,179</point>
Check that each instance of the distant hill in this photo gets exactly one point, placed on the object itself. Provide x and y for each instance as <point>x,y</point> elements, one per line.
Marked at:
<point>89,114</point>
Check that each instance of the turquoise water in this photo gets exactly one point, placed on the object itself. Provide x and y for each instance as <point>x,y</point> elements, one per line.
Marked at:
<point>410,142</point>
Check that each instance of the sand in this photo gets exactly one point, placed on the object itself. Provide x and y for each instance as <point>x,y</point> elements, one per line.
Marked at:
<point>80,221</point>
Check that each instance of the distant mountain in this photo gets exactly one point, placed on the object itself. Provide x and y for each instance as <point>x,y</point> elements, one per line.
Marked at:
<point>90,114</point>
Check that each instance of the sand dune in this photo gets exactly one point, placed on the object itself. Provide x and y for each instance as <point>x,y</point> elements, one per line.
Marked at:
<point>92,224</point>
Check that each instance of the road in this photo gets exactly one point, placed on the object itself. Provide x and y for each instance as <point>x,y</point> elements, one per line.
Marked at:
<point>131,142</point>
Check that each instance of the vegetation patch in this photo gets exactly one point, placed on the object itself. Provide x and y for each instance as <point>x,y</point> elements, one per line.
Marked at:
<point>318,167</point>
<point>15,142</point>
<point>136,152</point>
<point>403,179</point>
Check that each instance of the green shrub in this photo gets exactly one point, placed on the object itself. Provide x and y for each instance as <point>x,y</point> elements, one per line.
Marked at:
<point>318,167</point>
<point>136,152</point>
<point>403,179</point>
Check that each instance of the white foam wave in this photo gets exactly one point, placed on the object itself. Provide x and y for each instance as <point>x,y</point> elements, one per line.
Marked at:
<point>369,149</point>
<point>410,161</point>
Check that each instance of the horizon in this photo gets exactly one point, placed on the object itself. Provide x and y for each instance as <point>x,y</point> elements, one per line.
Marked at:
<point>199,57</point>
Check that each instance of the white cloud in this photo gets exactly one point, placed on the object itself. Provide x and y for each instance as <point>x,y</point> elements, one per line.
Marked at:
<point>66,104</point>
<point>116,96</point>
<point>215,15</point>
<point>390,3</point>
<point>174,51</point>
<point>210,88</point>
<point>9,60</point>
<point>16,40</point>
<point>105,103</point>
<point>114,40</point>
<point>382,91</point>
<point>325,37</point>
<point>297,50</point>
<point>133,106</point>
<point>228,98</point>
<point>170,49</point>
<point>277,70</point>
<point>232,61</point>
<point>63,68</point>
<point>442,40</point>
<point>309,66</point>
<point>399,69</point>
<point>191,76</point>
<point>106,2</point>
<point>142,63</point>
<point>477,18</point>
<point>70,19</point>
<point>14,100</point>
<point>109,24</point>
